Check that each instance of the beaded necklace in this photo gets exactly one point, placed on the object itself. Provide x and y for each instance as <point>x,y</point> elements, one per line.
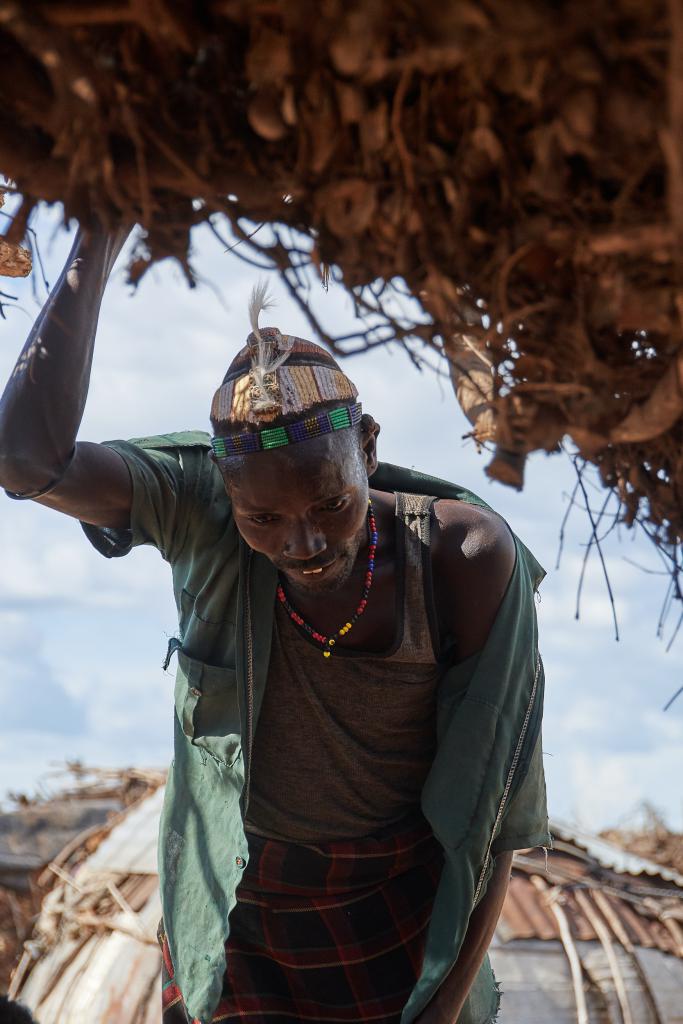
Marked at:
<point>330,641</point>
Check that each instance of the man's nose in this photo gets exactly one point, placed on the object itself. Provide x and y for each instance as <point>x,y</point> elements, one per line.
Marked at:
<point>304,542</point>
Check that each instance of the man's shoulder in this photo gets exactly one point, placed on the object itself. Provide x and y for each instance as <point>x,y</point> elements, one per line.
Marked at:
<point>473,559</point>
<point>469,535</point>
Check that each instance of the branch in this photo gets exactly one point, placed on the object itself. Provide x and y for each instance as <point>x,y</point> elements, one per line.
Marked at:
<point>595,540</point>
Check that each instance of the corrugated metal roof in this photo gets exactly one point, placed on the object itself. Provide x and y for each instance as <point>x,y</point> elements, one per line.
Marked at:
<point>612,856</point>
<point>537,984</point>
<point>526,915</point>
<point>131,847</point>
<point>102,978</point>
<point>31,836</point>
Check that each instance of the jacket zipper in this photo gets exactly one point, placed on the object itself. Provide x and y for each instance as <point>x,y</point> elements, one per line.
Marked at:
<point>250,684</point>
<point>508,783</point>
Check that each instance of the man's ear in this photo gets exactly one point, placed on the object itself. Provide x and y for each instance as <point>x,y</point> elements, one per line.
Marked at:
<point>369,432</point>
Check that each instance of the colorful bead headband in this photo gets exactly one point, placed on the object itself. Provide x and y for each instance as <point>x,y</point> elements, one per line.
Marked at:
<point>277,437</point>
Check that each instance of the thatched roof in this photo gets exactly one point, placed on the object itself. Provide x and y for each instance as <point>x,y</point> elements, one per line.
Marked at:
<point>518,165</point>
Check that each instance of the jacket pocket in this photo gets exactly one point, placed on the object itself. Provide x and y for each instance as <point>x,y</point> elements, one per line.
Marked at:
<point>208,708</point>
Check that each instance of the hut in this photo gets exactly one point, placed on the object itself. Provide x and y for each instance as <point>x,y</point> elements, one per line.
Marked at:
<point>75,803</point>
<point>93,955</point>
<point>593,935</point>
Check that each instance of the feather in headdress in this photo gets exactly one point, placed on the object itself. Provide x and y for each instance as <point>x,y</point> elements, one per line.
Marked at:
<point>260,301</point>
<point>269,350</point>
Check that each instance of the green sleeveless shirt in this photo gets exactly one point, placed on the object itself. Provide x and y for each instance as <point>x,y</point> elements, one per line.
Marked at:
<point>484,793</point>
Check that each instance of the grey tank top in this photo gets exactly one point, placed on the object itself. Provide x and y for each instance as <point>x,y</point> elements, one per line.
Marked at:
<point>343,747</point>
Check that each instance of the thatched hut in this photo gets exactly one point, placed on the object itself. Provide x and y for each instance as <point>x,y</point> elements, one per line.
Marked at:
<point>594,936</point>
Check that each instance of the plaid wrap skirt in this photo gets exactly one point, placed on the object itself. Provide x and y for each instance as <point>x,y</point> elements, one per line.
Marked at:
<point>328,933</point>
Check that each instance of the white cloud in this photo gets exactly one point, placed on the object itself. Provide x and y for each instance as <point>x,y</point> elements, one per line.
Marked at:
<point>30,693</point>
<point>606,788</point>
<point>46,559</point>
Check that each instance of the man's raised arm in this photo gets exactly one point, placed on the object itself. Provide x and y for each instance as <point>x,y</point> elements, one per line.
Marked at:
<point>43,402</point>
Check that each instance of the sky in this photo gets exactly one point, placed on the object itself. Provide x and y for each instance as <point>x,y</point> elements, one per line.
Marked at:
<point>82,638</point>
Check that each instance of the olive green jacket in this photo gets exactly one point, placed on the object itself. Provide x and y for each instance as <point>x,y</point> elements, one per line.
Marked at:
<point>488,722</point>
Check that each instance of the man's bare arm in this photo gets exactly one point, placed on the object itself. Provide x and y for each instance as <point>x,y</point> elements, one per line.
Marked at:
<point>473,557</point>
<point>447,1004</point>
<point>43,402</point>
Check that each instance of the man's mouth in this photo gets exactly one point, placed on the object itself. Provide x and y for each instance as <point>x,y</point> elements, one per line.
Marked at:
<point>318,569</point>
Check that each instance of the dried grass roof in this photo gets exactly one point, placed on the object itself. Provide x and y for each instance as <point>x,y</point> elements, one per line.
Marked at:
<point>518,165</point>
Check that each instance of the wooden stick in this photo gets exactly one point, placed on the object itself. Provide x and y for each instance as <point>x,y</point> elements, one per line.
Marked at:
<point>111,924</point>
<point>575,965</point>
<point>674,930</point>
<point>602,932</point>
<point>127,909</point>
<point>617,927</point>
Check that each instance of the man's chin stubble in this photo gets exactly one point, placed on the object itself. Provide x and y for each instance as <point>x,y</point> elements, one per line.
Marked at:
<point>323,584</point>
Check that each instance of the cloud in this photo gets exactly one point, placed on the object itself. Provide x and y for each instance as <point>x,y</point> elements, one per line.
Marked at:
<point>30,695</point>
<point>605,788</point>
<point>47,560</point>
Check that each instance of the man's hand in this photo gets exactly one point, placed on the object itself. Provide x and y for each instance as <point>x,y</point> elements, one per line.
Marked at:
<point>447,1004</point>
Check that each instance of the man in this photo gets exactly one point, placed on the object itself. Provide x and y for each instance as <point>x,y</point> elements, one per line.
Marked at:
<point>358,692</point>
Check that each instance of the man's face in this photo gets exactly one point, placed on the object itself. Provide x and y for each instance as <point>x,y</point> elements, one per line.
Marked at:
<point>305,507</point>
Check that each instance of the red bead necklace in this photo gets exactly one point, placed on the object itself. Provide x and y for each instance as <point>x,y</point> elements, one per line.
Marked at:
<point>329,641</point>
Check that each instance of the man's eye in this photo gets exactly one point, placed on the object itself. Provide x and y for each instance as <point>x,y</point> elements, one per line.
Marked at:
<point>262,520</point>
<point>334,506</point>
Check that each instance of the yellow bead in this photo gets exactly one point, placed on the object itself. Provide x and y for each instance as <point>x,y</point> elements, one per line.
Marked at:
<point>326,654</point>
<point>348,625</point>
<point>331,642</point>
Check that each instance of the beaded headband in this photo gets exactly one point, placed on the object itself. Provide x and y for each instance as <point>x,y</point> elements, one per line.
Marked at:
<point>277,437</point>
